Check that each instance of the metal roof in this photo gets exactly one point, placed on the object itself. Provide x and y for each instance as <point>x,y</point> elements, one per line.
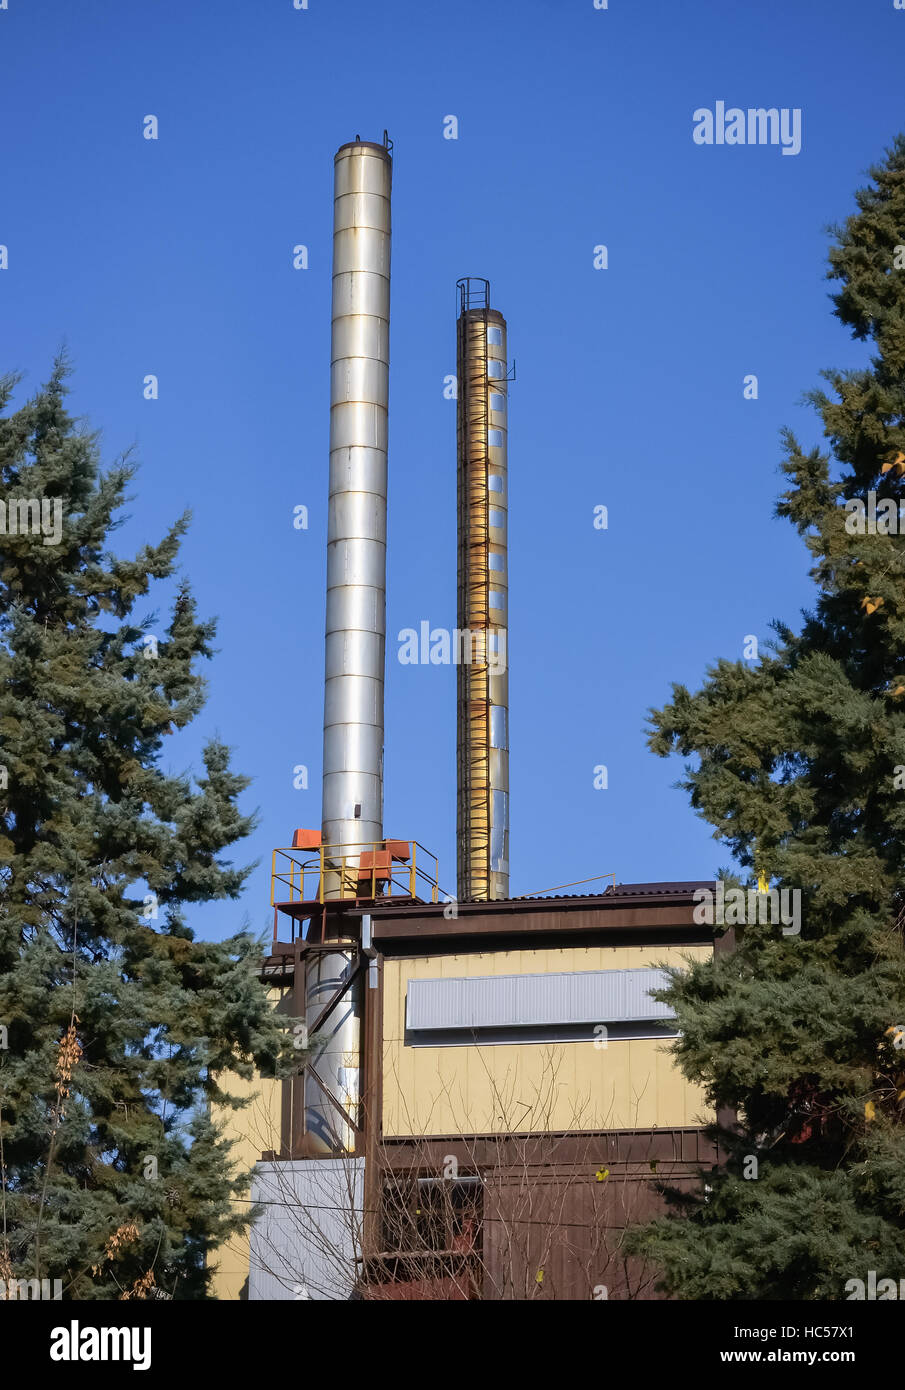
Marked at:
<point>683,889</point>
<point>679,892</point>
<point>684,886</point>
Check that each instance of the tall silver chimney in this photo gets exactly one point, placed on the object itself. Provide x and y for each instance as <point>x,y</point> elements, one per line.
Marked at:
<point>356,526</point>
<point>352,811</point>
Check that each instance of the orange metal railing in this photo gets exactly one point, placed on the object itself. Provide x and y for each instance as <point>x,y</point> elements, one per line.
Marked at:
<point>368,871</point>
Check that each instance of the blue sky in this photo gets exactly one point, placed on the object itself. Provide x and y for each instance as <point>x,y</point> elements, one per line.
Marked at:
<point>174,257</point>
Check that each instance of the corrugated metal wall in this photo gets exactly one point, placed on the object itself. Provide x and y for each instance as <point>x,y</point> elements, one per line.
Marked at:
<point>304,1243</point>
<point>498,1001</point>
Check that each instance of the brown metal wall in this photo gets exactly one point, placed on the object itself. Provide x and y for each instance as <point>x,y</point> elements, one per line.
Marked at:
<point>556,1208</point>
<point>558,1234</point>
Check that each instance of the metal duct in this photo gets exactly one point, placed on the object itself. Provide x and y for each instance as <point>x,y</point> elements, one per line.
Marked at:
<point>336,1057</point>
<point>483,597</point>
<point>356,526</point>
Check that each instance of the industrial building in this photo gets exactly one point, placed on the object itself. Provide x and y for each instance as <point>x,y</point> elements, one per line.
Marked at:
<point>486,1100</point>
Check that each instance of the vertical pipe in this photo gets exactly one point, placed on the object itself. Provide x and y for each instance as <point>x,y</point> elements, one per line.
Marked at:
<point>336,1055</point>
<point>483,598</point>
<point>356,526</point>
<point>352,809</point>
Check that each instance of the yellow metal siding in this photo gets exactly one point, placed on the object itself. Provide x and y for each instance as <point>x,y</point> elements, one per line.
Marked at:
<point>254,1129</point>
<point>538,1087</point>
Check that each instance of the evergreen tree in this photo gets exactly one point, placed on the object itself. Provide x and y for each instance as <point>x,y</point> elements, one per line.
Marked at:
<point>114,1020</point>
<point>801,770</point>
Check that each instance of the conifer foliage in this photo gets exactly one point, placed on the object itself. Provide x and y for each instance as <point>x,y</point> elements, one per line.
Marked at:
<point>114,1020</point>
<point>800,767</point>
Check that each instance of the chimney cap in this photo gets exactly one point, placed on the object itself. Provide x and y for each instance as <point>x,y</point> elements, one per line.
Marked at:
<point>386,149</point>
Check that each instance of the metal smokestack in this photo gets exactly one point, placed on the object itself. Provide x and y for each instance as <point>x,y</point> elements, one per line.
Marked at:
<point>356,527</point>
<point>483,584</point>
<point>352,811</point>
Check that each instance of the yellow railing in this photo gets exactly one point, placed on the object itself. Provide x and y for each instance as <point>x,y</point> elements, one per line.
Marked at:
<point>353,871</point>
